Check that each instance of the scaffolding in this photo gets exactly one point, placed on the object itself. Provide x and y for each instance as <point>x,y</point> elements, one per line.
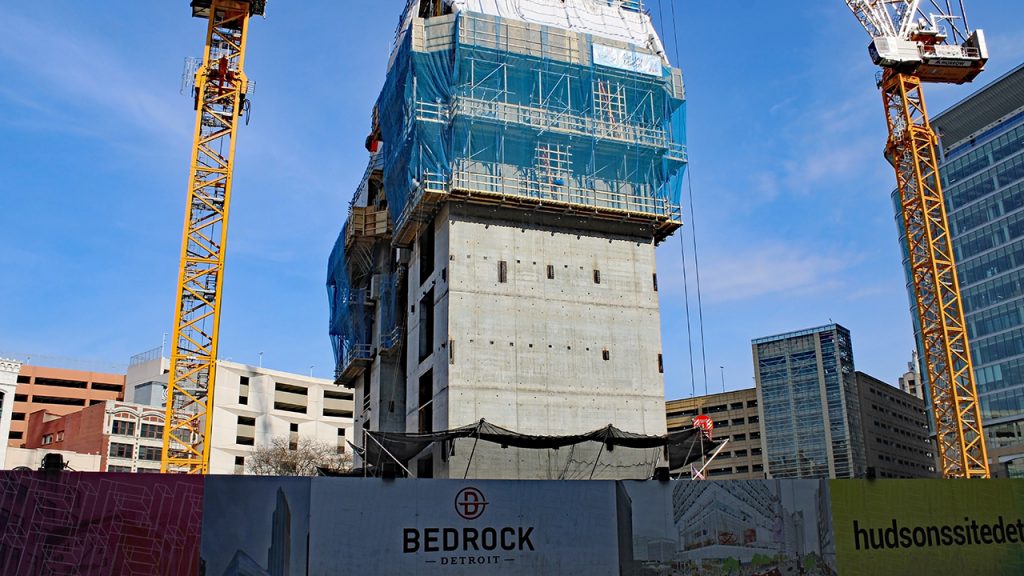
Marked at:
<point>351,318</point>
<point>515,112</point>
<point>503,111</point>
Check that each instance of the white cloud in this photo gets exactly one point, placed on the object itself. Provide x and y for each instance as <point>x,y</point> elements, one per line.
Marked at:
<point>773,268</point>
<point>83,74</point>
<point>822,163</point>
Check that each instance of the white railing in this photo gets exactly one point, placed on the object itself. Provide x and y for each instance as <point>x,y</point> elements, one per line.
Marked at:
<point>546,119</point>
<point>484,178</point>
<point>623,197</point>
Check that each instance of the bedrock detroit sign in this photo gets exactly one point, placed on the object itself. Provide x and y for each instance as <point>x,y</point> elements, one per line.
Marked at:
<point>468,545</point>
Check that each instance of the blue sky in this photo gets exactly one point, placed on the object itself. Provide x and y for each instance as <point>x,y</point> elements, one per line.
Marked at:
<point>791,193</point>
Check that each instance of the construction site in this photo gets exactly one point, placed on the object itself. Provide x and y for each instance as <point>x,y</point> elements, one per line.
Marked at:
<point>498,400</point>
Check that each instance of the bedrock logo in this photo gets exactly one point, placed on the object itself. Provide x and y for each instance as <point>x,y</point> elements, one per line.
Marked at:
<point>470,503</point>
<point>468,545</point>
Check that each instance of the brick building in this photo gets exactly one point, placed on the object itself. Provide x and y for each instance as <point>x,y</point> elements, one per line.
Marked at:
<point>128,437</point>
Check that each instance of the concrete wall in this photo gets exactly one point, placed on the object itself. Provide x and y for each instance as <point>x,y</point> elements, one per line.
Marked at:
<point>146,379</point>
<point>271,422</point>
<point>33,458</point>
<point>528,353</point>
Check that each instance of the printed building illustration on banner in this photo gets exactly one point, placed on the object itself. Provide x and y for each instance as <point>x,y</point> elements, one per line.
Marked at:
<point>97,524</point>
<point>736,527</point>
<point>256,526</point>
<point>762,524</point>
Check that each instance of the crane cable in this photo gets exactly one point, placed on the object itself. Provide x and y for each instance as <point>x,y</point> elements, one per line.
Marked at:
<point>693,233</point>
<point>696,267</point>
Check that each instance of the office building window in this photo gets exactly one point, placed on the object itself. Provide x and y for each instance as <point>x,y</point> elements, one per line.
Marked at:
<point>122,428</point>
<point>119,450</point>
<point>152,431</point>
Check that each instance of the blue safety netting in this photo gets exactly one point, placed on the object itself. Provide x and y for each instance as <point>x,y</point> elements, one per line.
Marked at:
<point>350,323</point>
<point>484,111</point>
<point>487,119</point>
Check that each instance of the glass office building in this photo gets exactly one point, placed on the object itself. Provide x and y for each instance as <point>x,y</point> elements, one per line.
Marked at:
<point>809,407</point>
<point>982,154</point>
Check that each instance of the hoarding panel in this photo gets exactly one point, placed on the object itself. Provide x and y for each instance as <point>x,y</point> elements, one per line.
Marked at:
<point>929,526</point>
<point>463,527</point>
<point>255,525</point>
<point>97,524</point>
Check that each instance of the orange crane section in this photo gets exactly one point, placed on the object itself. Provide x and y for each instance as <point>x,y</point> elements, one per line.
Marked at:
<point>220,97</point>
<point>915,45</point>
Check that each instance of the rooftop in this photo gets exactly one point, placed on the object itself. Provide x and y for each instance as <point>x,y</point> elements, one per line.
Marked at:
<point>797,334</point>
<point>981,110</point>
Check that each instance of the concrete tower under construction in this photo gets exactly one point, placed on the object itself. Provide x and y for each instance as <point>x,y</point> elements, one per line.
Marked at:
<point>498,259</point>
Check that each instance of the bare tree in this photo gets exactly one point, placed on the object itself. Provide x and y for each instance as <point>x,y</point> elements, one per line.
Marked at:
<point>284,458</point>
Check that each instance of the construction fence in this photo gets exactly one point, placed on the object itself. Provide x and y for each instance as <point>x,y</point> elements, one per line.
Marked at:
<point>141,524</point>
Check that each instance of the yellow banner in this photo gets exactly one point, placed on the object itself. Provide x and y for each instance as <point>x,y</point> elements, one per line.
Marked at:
<point>928,526</point>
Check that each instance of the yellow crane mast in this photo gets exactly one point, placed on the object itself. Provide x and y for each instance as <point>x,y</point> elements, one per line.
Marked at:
<point>916,44</point>
<point>220,92</point>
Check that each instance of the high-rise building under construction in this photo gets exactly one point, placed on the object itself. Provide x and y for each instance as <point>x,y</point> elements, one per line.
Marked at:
<point>498,258</point>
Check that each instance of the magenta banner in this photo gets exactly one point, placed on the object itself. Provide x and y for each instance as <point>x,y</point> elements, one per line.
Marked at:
<point>99,524</point>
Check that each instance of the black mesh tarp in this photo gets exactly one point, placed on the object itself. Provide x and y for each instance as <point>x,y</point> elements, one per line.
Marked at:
<point>684,446</point>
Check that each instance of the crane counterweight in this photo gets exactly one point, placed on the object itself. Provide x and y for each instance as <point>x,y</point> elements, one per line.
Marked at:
<point>932,62</point>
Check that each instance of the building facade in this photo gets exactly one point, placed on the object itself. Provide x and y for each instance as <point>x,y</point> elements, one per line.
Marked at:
<point>498,261</point>
<point>897,443</point>
<point>252,406</point>
<point>9,370</point>
<point>279,555</point>
<point>982,164</point>
<point>24,458</point>
<point>808,404</point>
<point>58,391</point>
<point>746,519</point>
<point>737,419</point>
<point>127,437</point>
<point>911,381</point>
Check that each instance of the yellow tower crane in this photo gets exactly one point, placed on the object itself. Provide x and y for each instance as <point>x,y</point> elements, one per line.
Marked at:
<point>916,42</point>
<point>220,92</point>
